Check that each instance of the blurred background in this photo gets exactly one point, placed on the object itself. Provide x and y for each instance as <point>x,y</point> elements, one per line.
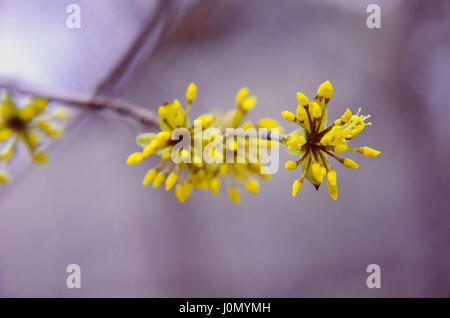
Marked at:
<point>88,207</point>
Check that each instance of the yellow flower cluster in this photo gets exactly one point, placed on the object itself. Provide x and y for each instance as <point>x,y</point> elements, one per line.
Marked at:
<point>29,124</point>
<point>250,168</point>
<point>314,141</point>
<point>199,173</point>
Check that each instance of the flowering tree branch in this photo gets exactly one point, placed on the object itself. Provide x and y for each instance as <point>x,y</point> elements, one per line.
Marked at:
<point>99,100</point>
<point>185,168</point>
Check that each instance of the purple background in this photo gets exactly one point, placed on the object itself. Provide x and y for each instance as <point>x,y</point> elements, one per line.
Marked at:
<point>87,207</point>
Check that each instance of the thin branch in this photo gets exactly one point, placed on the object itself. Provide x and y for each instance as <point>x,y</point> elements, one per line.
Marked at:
<point>117,74</point>
<point>99,101</point>
<point>122,107</point>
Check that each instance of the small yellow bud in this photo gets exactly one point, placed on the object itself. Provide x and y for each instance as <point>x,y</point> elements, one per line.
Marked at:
<point>338,122</point>
<point>149,150</point>
<point>176,106</point>
<point>207,121</point>
<point>40,157</point>
<point>315,169</point>
<point>156,143</point>
<point>332,177</point>
<point>315,110</point>
<point>5,134</point>
<point>184,155</point>
<point>135,158</point>
<point>241,95</point>
<point>333,190</point>
<point>179,193</point>
<point>4,178</point>
<point>347,116</point>
<point>317,172</point>
<point>268,123</point>
<point>296,187</point>
<point>166,155</point>
<point>233,192</point>
<point>288,115</point>
<point>179,119</point>
<point>302,99</point>
<point>159,179</point>
<point>291,165</point>
<point>163,136</point>
<point>349,163</point>
<point>252,186</point>
<point>301,113</point>
<point>223,170</point>
<point>171,180</point>
<point>249,103</point>
<point>27,113</point>
<point>183,191</point>
<point>215,186</point>
<point>151,174</point>
<point>369,152</point>
<point>39,104</point>
<point>162,112</point>
<point>340,149</point>
<point>325,90</point>
<point>191,92</point>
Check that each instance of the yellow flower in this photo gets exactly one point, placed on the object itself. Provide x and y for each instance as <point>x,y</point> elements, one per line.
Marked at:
<point>172,116</point>
<point>246,169</point>
<point>29,124</point>
<point>193,171</point>
<point>314,141</point>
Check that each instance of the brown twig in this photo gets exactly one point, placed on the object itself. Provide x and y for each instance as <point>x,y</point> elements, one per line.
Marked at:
<point>122,107</point>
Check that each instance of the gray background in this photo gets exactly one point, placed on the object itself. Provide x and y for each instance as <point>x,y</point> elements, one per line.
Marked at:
<point>88,207</point>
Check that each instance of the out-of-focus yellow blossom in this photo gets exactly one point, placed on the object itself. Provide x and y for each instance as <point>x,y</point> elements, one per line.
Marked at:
<point>197,173</point>
<point>30,125</point>
<point>314,141</point>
